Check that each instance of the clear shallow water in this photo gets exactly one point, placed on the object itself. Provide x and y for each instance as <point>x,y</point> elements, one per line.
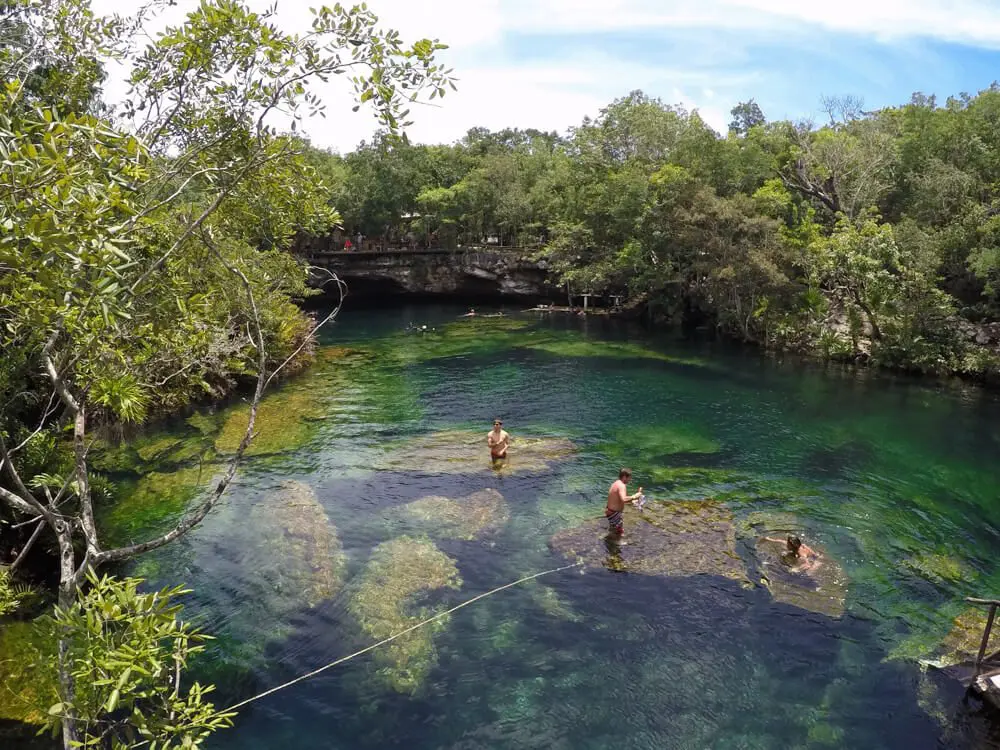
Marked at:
<point>896,480</point>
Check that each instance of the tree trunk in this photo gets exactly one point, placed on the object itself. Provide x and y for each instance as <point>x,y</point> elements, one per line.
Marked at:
<point>67,597</point>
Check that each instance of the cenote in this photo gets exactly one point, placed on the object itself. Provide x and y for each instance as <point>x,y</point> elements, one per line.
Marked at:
<point>369,502</point>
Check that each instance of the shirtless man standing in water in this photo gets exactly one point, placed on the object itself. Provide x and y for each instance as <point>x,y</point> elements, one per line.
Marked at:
<point>498,440</point>
<point>616,503</point>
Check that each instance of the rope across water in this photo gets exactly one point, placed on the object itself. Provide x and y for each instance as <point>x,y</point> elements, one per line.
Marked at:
<point>401,633</point>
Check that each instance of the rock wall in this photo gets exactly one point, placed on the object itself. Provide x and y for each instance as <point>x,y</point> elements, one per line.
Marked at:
<point>458,274</point>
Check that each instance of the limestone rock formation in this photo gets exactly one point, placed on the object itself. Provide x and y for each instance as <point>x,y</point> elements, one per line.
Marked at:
<point>386,602</point>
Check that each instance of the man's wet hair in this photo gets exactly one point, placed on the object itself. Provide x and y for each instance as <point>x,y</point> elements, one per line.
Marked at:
<point>624,473</point>
<point>794,543</point>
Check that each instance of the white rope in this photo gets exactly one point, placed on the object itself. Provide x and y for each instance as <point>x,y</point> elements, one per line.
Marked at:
<point>410,629</point>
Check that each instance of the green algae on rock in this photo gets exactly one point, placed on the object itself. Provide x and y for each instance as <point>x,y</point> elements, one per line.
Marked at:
<point>150,504</point>
<point>28,678</point>
<point>961,644</point>
<point>548,600</point>
<point>465,451</point>
<point>470,517</point>
<point>679,538</point>
<point>936,566</point>
<point>385,603</point>
<point>302,554</point>
<point>649,441</point>
<point>821,589</point>
<point>575,347</point>
<point>282,422</point>
<point>465,337</point>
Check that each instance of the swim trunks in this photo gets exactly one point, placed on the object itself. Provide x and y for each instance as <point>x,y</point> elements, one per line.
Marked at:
<point>616,521</point>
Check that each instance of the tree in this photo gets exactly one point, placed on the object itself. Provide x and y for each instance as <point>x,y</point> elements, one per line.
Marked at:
<point>127,652</point>
<point>110,236</point>
<point>746,115</point>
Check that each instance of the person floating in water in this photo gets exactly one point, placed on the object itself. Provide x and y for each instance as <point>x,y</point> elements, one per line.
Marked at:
<point>471,313</point>
<point>797,555</point>
<point>616,503</point>
<point>498,441</point>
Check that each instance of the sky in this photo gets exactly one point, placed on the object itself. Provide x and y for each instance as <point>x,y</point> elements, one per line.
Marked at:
<point>548,63</point>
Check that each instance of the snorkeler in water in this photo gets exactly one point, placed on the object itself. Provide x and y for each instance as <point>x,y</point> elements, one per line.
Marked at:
<point>797,555</point>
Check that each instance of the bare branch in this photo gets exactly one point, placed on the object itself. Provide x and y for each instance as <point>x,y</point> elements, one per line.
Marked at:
<point>28,545</point>
<point>311,336</point>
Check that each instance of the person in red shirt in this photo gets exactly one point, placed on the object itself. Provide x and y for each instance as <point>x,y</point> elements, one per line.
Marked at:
<point>347,245</point>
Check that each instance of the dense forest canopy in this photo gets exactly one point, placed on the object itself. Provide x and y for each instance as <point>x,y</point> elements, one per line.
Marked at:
<point>872,235</point>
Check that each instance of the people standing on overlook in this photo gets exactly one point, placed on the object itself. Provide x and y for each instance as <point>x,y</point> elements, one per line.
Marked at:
<point>498,441</point>
<point>616,503</point>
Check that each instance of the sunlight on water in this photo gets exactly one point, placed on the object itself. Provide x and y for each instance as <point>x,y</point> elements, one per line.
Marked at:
<point>370,502</point>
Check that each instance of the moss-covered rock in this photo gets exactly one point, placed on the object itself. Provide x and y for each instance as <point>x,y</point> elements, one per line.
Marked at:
<point>936,566</point>
<point>169,449</point>
<point>548,600</point>
<point>301,556</point>
<point>465,337</point>
<point>961,644</point>
<point>470,517</point>
<point>676,538</point>
<point>28,679</point>
<point>386,602</point>
<point>821,589</point>
<point>577,347</point>
<point>562,512</point>
<point>651,441</point>
<point>465,451</point>
<point>150,504</point>
<point>282,422</point>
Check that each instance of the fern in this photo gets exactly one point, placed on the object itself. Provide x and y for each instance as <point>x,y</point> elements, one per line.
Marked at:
<point>10,595</point>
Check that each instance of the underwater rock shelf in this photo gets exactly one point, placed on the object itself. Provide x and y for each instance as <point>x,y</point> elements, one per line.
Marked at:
<point>687,538</point>
<point>964,652</point>
<point>464,451</point>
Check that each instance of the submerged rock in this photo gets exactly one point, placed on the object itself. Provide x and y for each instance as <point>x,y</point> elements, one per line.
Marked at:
<point>936,566</point>
<point>28,679</point>
<point>577,347</point>
<point>465,337</point>
<point>652,441</point>
<point>465,451</point>
<point>300,552</point>
<point>961,644</point>
<point>667,538</point>
<point>548,600</point>
<point>471,517</point>
<point>282,422</point>
<point>821,589</point>
<point>152,503</point>
<point>386,603</point>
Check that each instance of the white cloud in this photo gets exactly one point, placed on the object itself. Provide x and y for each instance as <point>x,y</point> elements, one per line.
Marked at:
<point>500,88</point>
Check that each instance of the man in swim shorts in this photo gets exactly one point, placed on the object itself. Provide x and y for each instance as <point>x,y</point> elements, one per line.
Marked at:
<point>616,503</point>
<point>498,440</point>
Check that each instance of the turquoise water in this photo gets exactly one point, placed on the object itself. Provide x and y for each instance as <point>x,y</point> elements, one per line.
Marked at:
<point>896,480</point>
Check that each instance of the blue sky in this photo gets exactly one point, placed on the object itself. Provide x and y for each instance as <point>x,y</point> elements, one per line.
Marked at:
<point>548,63</point>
